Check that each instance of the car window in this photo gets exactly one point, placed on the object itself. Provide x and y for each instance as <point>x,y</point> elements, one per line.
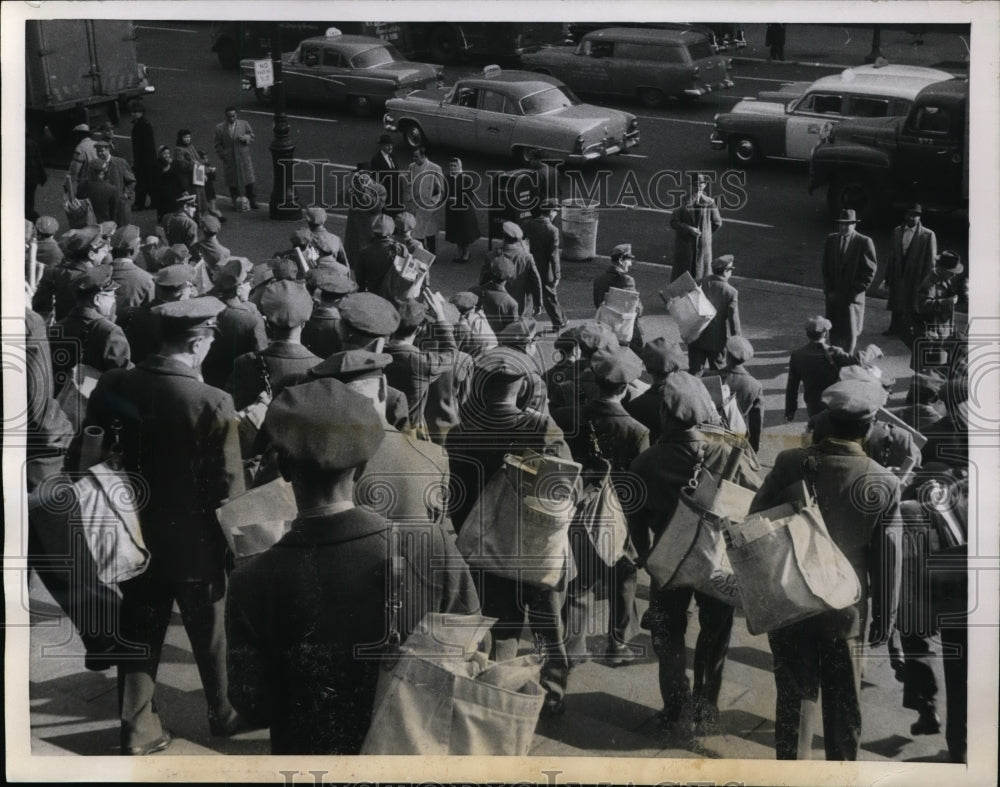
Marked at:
<point>465,97</point>
<point>597,48</point>
<point>629,50</point>
<point>822,103</point>
<point>700,50</point>
<point>932,120</point>
<point>868,107</point>
<point>491,101</point>
<point>376,56</point>
<point>333,58</point>
<point>548,100</point>
<point>901,107</point>
<point>309,55</point>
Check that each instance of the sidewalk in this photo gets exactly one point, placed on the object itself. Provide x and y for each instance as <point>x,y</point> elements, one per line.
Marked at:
<point>609,711</point>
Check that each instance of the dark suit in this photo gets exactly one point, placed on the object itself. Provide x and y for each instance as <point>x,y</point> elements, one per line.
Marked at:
<point>297,613</point>
<point>711,344</point>
<point>387,174</point>
<point>847,274</point>
<point>135,286</point>
<point>373,263</point>
<point>241,330</point>
<point>826,651</point>
<point>143,160</point>
<point>322,334</point>
<point>815,366</point>
<point>179,435</point>
<point>104,198</point>
<point>543,241</point>
<point>101,343</point>
<point>525,280</point>
<point>903,274</point>
<point>282,360</point>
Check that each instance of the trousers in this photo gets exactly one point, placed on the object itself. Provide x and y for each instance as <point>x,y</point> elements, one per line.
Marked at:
<point>620,582</point>
<point>147,602</point>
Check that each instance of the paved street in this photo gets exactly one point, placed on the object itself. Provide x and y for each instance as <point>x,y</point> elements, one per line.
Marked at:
<point>777,239</point>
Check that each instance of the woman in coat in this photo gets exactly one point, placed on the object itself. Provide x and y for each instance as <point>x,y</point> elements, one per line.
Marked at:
<point>694,223</point>
<point>232,144</point>
<point>461,226</point>
<point>186,156</point>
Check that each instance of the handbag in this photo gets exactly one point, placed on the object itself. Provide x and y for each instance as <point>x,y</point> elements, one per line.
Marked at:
<point>443,696</point>
<point>599,516</point>
<point>691,552</point>
<point>786,565</point>
<point>108,516</point>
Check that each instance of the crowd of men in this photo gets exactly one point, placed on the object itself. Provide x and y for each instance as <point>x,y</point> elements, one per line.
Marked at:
<point>216,374</point>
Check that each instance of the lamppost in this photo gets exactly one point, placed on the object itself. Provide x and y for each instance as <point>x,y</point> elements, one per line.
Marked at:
<point>282,203</point>
<point>876,52</point>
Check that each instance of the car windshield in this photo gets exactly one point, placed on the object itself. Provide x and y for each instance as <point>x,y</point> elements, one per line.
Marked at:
<point>548,100</point>
<point>376,56</point>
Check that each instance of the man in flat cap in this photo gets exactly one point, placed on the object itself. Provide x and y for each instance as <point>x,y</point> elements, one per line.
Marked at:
<point>661,359</point>
<point>542,237</point>
<point>286,307</point>
<point>603,437</point>
<point>180,226</point>
<point>816,365</point>
<point>745,390</point>
<point>561,379</point>
<point>83,154</point>
<point>937,297</point>
<point>522,335</point>
<point>209,249</point>
<point>318,234</point>
<point>90,326</point>
<point>826,652</point>
<point>849,266</point>
<point>912,253</point>
<point>378,256</point>
<point>47,251</point>
<point>617,275</point>
<point>404,223</point>
<point>493,426</point>
<point>135,286</point>
<point>240,325</point>
<point>365,201</point>
<point>524,280</point>
<point>499,307</point>
<point>710,345</point>
<point>690,435</point>
<point>322,334</point>
<point>420,353</point>
<point>473,333</point>
<point>385,172</point>
<point>56,290</point>
<point>447,394</point>
<point>333,571</point>
<point>141,324</point>
<point>923,406</point>
<point>105,199</point>
<point>179,435</point>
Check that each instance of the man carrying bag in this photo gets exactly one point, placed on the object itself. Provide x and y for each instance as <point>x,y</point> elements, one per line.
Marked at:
<point>859,503</point>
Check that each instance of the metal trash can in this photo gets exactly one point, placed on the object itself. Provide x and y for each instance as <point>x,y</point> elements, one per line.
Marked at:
<point>579,230</point>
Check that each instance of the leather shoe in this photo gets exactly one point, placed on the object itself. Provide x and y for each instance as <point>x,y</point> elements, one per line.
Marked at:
<point>553,706</point>
<point>234,725</point>
<point>150,748</point>
<point>929,723</point>
<point>619,653</point>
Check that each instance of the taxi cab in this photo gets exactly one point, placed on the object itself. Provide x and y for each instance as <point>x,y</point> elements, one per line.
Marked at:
<point>512,113</point>
<point>360,72</point>
<point>790,122</point>
<point>645,64</point>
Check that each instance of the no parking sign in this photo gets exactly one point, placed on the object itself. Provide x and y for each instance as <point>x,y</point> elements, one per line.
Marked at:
<point>263,73</point>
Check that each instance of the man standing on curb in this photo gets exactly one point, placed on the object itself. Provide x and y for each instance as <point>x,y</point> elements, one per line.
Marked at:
<point>543,242</point>
<point>848,270</point>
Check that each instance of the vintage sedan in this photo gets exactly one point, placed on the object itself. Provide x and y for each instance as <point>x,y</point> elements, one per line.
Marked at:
<point>360,72</point>
<point>790,122</point>
<point>512,113</point>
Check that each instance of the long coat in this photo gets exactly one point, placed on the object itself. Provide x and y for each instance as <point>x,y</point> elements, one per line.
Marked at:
<point>905,272</point>
<point>815,366</point>
<point>363,206</point>
<point>725,298</point>
<point>282,359</point>
<point>232,144</point>
<point>461,226</point>
<point>423,196</point>
<point>847,275</point>
<point>241,330</point>
<point>525,281</point>
<point>694,253</point>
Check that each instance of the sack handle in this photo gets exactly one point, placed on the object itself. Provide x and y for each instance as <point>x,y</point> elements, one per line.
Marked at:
<point>265,376</point>
<point>394,600</point>
<point>809,469</point>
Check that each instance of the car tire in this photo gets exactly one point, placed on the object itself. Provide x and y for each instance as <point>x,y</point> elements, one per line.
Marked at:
<point>651,98</point>
<point>443,44</point>
<point>855,191</point>
<point>264,96</point>
<point>413,136</point>
<point>744,152</point>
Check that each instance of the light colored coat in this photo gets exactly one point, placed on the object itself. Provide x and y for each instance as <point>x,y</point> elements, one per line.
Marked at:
<point>232,145</point>
<point>423,196</point>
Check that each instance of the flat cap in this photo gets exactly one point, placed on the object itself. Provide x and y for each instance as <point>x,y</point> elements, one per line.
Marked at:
<point>302,236</point>
<point>464,300</point>
<point>351,365</point>
<point>108,228</point>
<point>368,313</point>
<point>83,238</point>
<point>331,281</point>
<point>101,143</point>
<point>854,400</point>
<point>151,240</point>
<point>503,362</point>
<point>286,304</point>
<point>97,279</point>
<point>411,314</point>
<point>323,244</point>
<point>740,348</point>
<point>567,340</point>
<point>723,262</point>
<point>283,268</point>
<point>621,250</point>
<point>81,127</point>
<point>97,165</point>
<point>661,357</point>
<point>177,317</point>
<point>125,237</point>
<point>619,366</point>
<point>512,230</point>
<point>817,324</point>
<point>315,216</point>
<point>950,261</point>
<point>501,268</point>
<point>686,398</point>
<point>46,225</point>
<point>596,336</point>
<point>549,203</point>
<point>176,275</point>
<point>324,424</point>
<point>234,272</point>
<point>404,222</point>
<point>519,333</point>
<point>382,225</point>
<point>178,254</point>
<point>210,224</point>
<point>187,199</point>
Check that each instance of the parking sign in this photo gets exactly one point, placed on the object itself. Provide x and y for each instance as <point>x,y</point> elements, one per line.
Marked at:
<point>263,73</point>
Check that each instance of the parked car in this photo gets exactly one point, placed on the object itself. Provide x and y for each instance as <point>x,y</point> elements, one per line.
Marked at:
<point>790,122</point>
<point>512,113</point>
<point>361,72</point>
<point>644,64</point>
<point>575,31</point>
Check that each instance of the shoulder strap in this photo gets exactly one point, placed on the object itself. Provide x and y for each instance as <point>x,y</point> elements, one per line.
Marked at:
<point>265,375</point>
<point>395,575</point>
